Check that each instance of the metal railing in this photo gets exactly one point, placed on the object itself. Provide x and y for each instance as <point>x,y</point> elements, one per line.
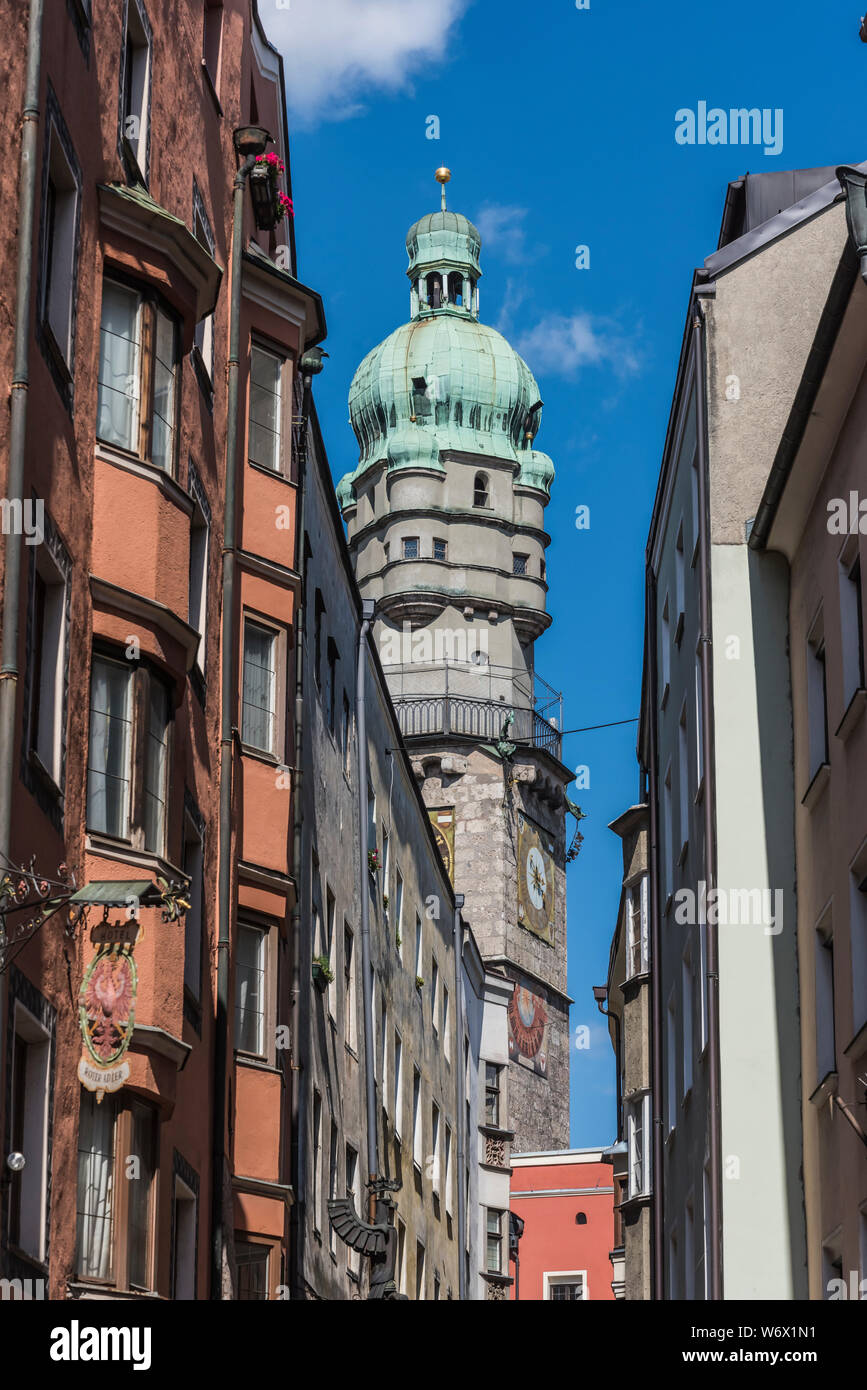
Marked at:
<point>421,715</point>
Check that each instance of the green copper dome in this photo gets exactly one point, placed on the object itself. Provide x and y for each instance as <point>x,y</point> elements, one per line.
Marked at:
<point>444,381</point>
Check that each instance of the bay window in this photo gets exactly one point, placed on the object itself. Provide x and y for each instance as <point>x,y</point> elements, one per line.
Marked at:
<point>137,375</point>
<point>261,725</point>
<point>250,989</point>
<point>265,446</point>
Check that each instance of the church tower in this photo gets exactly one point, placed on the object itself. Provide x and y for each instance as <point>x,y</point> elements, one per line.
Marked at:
<point>445,516</point>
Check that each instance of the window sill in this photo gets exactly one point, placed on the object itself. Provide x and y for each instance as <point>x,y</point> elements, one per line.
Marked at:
<point>78,1288</point>
<point>260,756</point>
<point>107,847</point>
<point>818,783</point>
<point>853,715</point>
<point>118,458</point>
<point>826,1088</point>
<point>256,1062</point>
<point>272,473</point>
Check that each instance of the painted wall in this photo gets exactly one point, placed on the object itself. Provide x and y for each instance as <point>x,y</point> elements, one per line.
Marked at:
<point>548,1192</point>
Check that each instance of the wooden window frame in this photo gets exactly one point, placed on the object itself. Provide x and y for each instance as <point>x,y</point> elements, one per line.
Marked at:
<point>277,754</point>
<point>120,1200</point>
<point>150,303</point>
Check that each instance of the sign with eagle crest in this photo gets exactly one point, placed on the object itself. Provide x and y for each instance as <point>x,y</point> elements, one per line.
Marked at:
<point>106,1013</point>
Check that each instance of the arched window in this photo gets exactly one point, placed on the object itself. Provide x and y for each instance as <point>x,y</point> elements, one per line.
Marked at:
<point>456,287</point>
<point>434,290</point>
<point>480,490</point>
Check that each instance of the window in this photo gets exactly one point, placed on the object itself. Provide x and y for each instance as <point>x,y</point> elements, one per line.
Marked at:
<point>447,1042</point>
<point>116,1219</point>
<point>817,698</point>
<point>193,866</point>
<point>135,90</point>
<point>668,850</point>
<point>519,564</point>
<point>318,610</point>
<point>252,1261</point>
<point>858,938</point>
<point>689,1253</point>
<point>695,507</point>
<point>436,1287</point>
<point>398,1085</point>
<point>686,981</point>
<point>137,375</point>
<point>480,490</point>
<point>683,788</point>
<point>434,995</point>
<point>419,1270</point>
<point>492,1094</point>
<point>665,653</point>
<point>386,552</point>
<point>417,1142</point>
<point>331,687</point>
<point>400,1269</point>
<point>317,1161</point>
<point>450,1176</point>
<point>348,989</point>
<point>265,446</point>
<point>204,333</point>
<point>329,946</point>
<point>636,928</point>
<point>826,1047</point>
<point>699,725</point>
<point>212,38</point>
<point>59,241</point>
<point>638,1141</point>
<point>259,698</point>
<point>398,912</point>
<point>418,946</point>
<point>852,622</point>
<point>353,1258</point>
<point>703,982</point>
<point>332,1184</point>
<point>439,549</point>
<point>565,1288</point>
<point>435,1147</point>
<point>250,989</point>
<point>383,1039</point>
<point>117,743</point>
<point>410,547</point>
<point>30,1066</point>
<point>200,538</point>
<point>671,1044</point>
<point>679,584</point>
<point>386,865</point>
<point>48,647</point>
<point>345,726</point>
<point>494,1246</point>
<point>185,1205</point>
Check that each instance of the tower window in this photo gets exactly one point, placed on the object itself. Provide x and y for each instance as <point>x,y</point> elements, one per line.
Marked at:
<point>439,549</point>
<point>456,288</point>
<point>480,491</point>
<point>520,564</point>
<point>410,547</point>
<point>434,291</point>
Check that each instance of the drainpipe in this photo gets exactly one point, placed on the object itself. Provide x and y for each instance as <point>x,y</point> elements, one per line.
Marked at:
<point>249,141</point>
<point>367,611</point>
<point>17,438</point>
<point>600,994</point>
<point>658,1205</point>
<point>715,1137</point>
<point>310,365</point>
<point>462,1106</point>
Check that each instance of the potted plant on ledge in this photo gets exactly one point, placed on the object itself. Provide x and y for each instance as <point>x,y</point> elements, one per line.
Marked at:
<point>270,203</point>
<point>373,860</point>
<point>323,975</point>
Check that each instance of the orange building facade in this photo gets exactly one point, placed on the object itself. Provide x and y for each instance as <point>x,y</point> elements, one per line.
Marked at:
<point>566,1202</point>
<point>118,647</point>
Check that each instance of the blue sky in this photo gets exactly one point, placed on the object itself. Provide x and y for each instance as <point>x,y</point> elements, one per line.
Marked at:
<point>559,127</point>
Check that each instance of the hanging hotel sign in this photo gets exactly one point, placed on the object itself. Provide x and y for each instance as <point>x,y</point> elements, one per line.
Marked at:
<point>443,822</point>
<point>536,899</point>
<point>106,1007</point>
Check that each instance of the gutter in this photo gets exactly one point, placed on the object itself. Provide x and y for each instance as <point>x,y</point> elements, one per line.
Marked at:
<point>462,1104</point>
<point>705,641</point>
<point>367,977</point>
<point>657,1166</point>
<point>28,163</point>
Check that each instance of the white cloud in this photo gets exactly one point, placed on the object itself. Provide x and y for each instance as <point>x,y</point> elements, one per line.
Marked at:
<point>503,229</point>
<point>337,52</point>
<point>561,344</point>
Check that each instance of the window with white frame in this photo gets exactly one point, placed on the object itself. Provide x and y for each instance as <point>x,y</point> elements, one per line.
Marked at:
<point>817,697</point>
<point>851,619</point>
<point>858,937</point>
<point>250,980</point>
<point>699,724</point>
<point>400,1266</point>
<point>493,1078</point>
<point>117,804</point>
<point>317,1161</point>
<point>137,375</point>
<point>265,444</point>
<point>136,88</point>
<point>449,1170</point>
<point>417,1126</point>
<point>410,547</point>
<point>353,1258</point>
<point>686,1018</point>
<point>566,1287</point>
<point>418,946</point>
<point>59,240</point>
<point>494,1241</point>
<point>435,1147</point>
<point>397,1081</point>
<point>638,1142</point>
<point>330,947</point>
<point>383,1042</point>
<point>259,704</point>
<point>434,995</point>
<point>203,340</point>
<point>349,1013</point>
<point>212,40</point>
<point>398,912</point>
<point>447,1045</point>
<point>637,935</point>
<point>332,1183</point>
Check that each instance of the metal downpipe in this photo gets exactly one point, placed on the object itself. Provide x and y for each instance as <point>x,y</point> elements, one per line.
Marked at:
<point>462,1104</point>
<point>367,978</point>
<point>658,1187</point>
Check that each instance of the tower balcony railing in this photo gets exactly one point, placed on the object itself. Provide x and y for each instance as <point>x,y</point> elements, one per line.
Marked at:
<point>461,700</point>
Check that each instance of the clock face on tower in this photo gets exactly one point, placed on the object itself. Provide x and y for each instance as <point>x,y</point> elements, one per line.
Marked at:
<point>536,897</point>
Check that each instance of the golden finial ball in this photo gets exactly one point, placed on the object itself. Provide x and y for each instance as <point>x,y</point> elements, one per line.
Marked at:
<point>443,175</point>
